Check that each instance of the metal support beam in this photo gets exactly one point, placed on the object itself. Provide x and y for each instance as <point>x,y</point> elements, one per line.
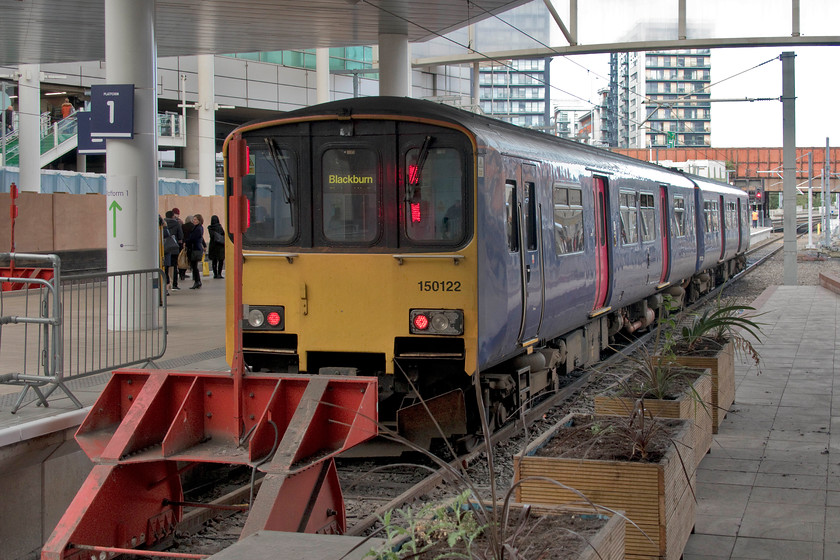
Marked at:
<point>559,21</point>
<point>681,20</point>
<point>789,165</point>
<point>794,20</point>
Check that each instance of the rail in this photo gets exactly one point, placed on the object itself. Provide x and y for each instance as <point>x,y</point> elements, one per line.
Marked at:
<point>54,330</point>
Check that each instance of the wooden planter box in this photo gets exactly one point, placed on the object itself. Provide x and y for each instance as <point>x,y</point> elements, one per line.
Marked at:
<point>606,544</point>
<point>686,407</point>
<point>655,496</point>
<point>722,367</point>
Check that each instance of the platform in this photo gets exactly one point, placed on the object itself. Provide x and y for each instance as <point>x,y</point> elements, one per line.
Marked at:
<point>770,486</point>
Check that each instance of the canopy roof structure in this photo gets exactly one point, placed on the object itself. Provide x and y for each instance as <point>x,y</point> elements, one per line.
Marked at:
<point>45,31</point>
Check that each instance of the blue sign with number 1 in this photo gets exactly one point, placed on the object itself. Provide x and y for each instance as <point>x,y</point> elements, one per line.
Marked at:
<point>112,111</point>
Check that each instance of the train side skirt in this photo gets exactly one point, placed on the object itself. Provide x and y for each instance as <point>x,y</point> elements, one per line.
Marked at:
<point>147,427</point>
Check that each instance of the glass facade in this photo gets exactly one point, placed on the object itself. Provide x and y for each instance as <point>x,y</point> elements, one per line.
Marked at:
<point>341,58</point>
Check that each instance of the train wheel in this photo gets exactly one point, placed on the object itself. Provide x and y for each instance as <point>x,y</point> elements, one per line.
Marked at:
<point>498,416</point>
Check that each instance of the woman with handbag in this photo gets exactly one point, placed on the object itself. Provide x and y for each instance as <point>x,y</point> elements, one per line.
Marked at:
<point>196,245</point>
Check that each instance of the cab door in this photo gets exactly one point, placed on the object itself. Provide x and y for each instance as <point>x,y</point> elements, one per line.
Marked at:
<point>524,176</point>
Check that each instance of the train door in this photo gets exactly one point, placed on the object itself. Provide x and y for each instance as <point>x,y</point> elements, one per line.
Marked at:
<point>531,253</point>
<point>740,222</point>
<point>723,233</point>
<point>665,232</point>
<point>521,184</point>
<point>602,254</point>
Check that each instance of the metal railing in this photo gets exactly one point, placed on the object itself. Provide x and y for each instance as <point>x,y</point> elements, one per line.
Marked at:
<point>57,330</point>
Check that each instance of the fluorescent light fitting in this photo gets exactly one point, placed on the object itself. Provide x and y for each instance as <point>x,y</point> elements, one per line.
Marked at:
<point>56,93</point>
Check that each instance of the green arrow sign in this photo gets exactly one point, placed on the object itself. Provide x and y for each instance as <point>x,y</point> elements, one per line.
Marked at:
<point>114,207</point>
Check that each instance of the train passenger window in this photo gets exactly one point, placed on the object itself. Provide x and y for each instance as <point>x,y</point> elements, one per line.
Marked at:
<point>679,217</point>
<point>272,190</point>
<point>730,216</point>
<point>568,219</point>
<point>628,214</point>
<point>350,190</point>
<point>648,216</point>
<point>711,216</point>
<point>434,209</point>
<point>512,220</point>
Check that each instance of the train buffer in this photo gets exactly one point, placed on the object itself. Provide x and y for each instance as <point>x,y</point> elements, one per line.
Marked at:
<point>147,427</point>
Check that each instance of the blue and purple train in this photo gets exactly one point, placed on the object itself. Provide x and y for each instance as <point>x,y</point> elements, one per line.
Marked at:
<point>422,245</point>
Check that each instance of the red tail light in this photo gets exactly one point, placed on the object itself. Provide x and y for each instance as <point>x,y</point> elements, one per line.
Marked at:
<point>421,322</point>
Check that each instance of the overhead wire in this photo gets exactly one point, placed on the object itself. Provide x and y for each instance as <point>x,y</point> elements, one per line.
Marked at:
<point>505,64</point>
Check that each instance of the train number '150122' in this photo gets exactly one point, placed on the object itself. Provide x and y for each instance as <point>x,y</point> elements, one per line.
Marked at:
<point>439,286</point>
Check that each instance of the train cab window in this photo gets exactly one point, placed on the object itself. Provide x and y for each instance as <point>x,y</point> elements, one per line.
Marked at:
<point>647,213</point>
<point>434,207</point>
<point>272,191</point>
<point>628,203</point>
<point>711,216</point>
<point>568,219</point>
<point>350,191</point>
<point>511,216</point>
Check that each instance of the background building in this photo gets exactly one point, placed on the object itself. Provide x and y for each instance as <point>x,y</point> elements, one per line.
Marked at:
<point>660,99</point>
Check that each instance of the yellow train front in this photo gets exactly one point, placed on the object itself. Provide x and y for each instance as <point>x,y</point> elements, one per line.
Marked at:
<point>358,258</point>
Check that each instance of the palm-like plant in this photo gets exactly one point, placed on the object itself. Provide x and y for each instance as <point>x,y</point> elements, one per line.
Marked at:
<point>720,324</point>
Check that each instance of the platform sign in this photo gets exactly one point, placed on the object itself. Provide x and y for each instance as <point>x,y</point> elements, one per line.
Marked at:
<point>87,144</point>
<point>121,205</point>
<point>112,111</point>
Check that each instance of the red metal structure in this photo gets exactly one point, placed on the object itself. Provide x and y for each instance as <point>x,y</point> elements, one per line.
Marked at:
<point>149,426</point>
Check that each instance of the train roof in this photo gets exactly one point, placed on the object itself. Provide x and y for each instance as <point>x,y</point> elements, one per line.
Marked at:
<point>480,125</point>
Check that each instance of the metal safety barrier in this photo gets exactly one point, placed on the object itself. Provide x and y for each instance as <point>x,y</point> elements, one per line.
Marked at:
<point>54,329</point>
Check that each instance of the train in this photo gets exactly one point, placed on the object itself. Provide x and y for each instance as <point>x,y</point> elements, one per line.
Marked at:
<point>447,253</point>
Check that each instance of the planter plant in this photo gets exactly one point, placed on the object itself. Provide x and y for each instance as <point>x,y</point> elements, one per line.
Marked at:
<point>634,463</point>
<point>687,394</point>
<point>466,529</point>
<point>711,340</point>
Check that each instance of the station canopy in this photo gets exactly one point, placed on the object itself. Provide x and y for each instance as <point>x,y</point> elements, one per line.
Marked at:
<point>46,31</point>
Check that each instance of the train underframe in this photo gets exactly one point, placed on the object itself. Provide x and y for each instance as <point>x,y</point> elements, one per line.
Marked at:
<point>430,395</point>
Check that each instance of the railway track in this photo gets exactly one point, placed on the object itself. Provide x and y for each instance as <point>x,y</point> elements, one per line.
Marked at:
<point>373,488</point>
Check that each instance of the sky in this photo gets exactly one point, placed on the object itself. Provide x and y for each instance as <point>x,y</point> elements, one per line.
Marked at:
<point>741,124</point>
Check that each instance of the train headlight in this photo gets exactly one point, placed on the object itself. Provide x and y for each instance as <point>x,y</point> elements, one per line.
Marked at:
<point>264,318</point>
<point>436,321</point>
<point>256,318</point>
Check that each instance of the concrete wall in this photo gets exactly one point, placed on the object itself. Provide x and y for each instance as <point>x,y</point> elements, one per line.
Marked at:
<point>40,478</point>
<point>66,222</point>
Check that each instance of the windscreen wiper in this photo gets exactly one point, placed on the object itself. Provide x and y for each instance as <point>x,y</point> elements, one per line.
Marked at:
<point>282,169</point>
<point>421,161</point>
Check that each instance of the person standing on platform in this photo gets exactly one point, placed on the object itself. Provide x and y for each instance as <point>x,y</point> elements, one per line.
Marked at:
<point>175,229</point>
<point>216,249</point>
<point>66,108</point>
<point>196,245</point>
<point>10,116</point>
<point>186,228</point>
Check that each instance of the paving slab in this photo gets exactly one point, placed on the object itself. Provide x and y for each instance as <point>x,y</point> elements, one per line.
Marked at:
<point>770,488</point>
